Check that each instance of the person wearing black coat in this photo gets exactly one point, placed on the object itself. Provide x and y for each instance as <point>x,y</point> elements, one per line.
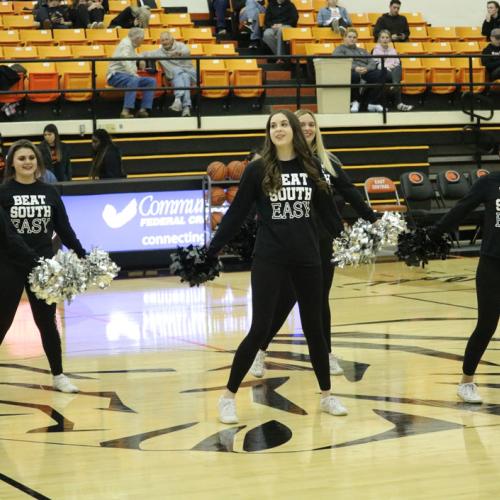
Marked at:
<point>393,22</point>
<point>56,154</point>
<point>492,20</point>
<point>279,14</point>
<point>107,161</point>
<point>491,56</point>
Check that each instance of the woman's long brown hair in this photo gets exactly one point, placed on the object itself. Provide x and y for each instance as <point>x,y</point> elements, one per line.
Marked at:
<point>271,182</point>
<point>10,172</point>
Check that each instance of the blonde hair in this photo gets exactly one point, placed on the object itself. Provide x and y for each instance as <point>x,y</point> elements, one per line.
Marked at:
<point>317,145</point>
<point>142,16</point>
<point>351,30</point>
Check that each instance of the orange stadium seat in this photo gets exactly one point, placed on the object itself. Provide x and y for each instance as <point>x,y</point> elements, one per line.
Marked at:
<point>440,70</point>
<point>196,49</point>
<point>410,48</point>
<point>360,19</point>
<point>116,6</point>
<point>469,33</point>
<point>20,52</point>
<point>18,87</point>
<point>444,48</point>
<point>297,37</point>
<point>179,20</point>
<point>373,16</point>
<point>198,35</point>
<point>101,70</point>
<point>413,73</point>
<point>9,37</point>
<point>107,36</point>
<point>306,19</point>
<point>76,75</point>
<point>463,73</point>
<point>219,49</point>
<point>85,51</point>
<point>55,52</point>
<point>304,5</point>
<point>318,4</point>
<point>364,34</point>
<point>414,18</point>
<point>24,21</point>
<point>419,34</point>
<point>442,33</point>
<point>6,8</point>
<point>36,37</point>
<point>319,49</point>
<point>23,7</point>
<point>471,47</point>
<point>42,76</point>
<point>155,20</point>
<point>325,34</point>
<point>70,37</point>
<point>213,72</point>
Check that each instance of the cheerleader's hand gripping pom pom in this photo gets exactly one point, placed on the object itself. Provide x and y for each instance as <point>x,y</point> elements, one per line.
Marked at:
<point>360,243</point>
<point>243,243</point>
<point>416,248</point>
<point>195,265</point>
<point>99,268</point>
<point>58,279</point>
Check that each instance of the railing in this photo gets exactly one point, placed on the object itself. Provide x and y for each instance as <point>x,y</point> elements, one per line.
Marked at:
<point>295,60</point>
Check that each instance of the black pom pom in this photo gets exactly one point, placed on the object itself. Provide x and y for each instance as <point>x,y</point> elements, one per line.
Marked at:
<point>194,265</point>
<point>243,243</point>
<point>417,248</point>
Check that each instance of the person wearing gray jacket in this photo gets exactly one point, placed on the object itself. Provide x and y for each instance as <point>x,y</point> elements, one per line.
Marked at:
<point>363,68</point>
<point>179,71</point>
<point>334,16</point>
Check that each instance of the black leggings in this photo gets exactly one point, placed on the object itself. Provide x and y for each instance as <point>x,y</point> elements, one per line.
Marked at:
<point>267,281</point>
<point>12,284</point>
<point>488,312</point>
<point>82,17</point>
<point>288,299</point>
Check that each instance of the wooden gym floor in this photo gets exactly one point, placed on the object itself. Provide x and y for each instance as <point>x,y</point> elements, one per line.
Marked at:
<point>151,355</point>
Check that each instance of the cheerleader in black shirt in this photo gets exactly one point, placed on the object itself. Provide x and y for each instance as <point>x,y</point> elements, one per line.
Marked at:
<point>287,189</point>
<point>35,210</point>
<point>341,184</point>
<point>486,191</point>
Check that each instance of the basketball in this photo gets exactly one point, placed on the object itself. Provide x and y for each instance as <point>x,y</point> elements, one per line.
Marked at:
<point>217,171</point>
<point>231,193</point>
<point>217,196</point>
<point>215,218</point>
<point>235,169</point>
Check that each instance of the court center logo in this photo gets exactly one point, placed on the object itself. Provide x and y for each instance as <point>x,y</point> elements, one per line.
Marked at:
<point>116,219</point>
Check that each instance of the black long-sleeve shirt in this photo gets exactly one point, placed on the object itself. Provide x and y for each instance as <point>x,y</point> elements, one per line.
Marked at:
<point>489,26</point>
<point>37,211</point>
<point>491,63</point>
<point>397,25</point>
<point>485,190</point>
<point>13,249</point>
<point>287,230</point>
<point>285,13</point>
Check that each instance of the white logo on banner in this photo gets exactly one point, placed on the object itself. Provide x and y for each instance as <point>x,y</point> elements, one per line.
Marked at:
<point>115,219</point>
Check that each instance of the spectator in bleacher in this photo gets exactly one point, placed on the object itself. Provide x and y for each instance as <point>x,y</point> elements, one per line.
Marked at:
<point>249,18</point>
<point>396,25</point>
<point>51,14</point>
<point>363,68</point>
<point>492,20</point>
<point>55,153</point>
<point>87,14</point>
<point>107,157</point>
<point>124,74</point>
<point>179,71</point>
<point>219,8</point>
<point>279,14</point>
<point>132,17</point>
<point>492,63</point>
<point>392,64</point>
<point>334,16</point>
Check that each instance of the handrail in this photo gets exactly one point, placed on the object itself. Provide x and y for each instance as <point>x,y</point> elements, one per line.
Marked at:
<point>294,59</point>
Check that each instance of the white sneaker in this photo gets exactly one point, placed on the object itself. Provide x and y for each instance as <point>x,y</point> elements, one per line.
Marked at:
<point>257,369</point>
<point>335,368</point>
<point>404,107</point>
<point>63,384</point>
<point>354,106</point>
<point>176,105</point>
<point>333,406</point>
<point>227,410</point>
<point>375,108</point>
<point>186,111</point>
<point>469,393</point>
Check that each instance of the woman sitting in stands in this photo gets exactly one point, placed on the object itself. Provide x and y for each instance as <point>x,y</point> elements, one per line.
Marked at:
<point>107,160</point>
<point>132,17</point>
<point>88,13</point>
<point>55,153</point>
<point>392,64</point>
<point>363,68</point>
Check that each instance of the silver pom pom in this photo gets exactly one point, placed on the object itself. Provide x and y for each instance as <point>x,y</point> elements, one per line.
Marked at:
<point>58,279</point>
<point>360,243</point>
<point>99,268</point>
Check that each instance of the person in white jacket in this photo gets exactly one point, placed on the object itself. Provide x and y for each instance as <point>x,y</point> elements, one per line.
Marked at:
<point>123,74</point>
<point>179,71</point>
